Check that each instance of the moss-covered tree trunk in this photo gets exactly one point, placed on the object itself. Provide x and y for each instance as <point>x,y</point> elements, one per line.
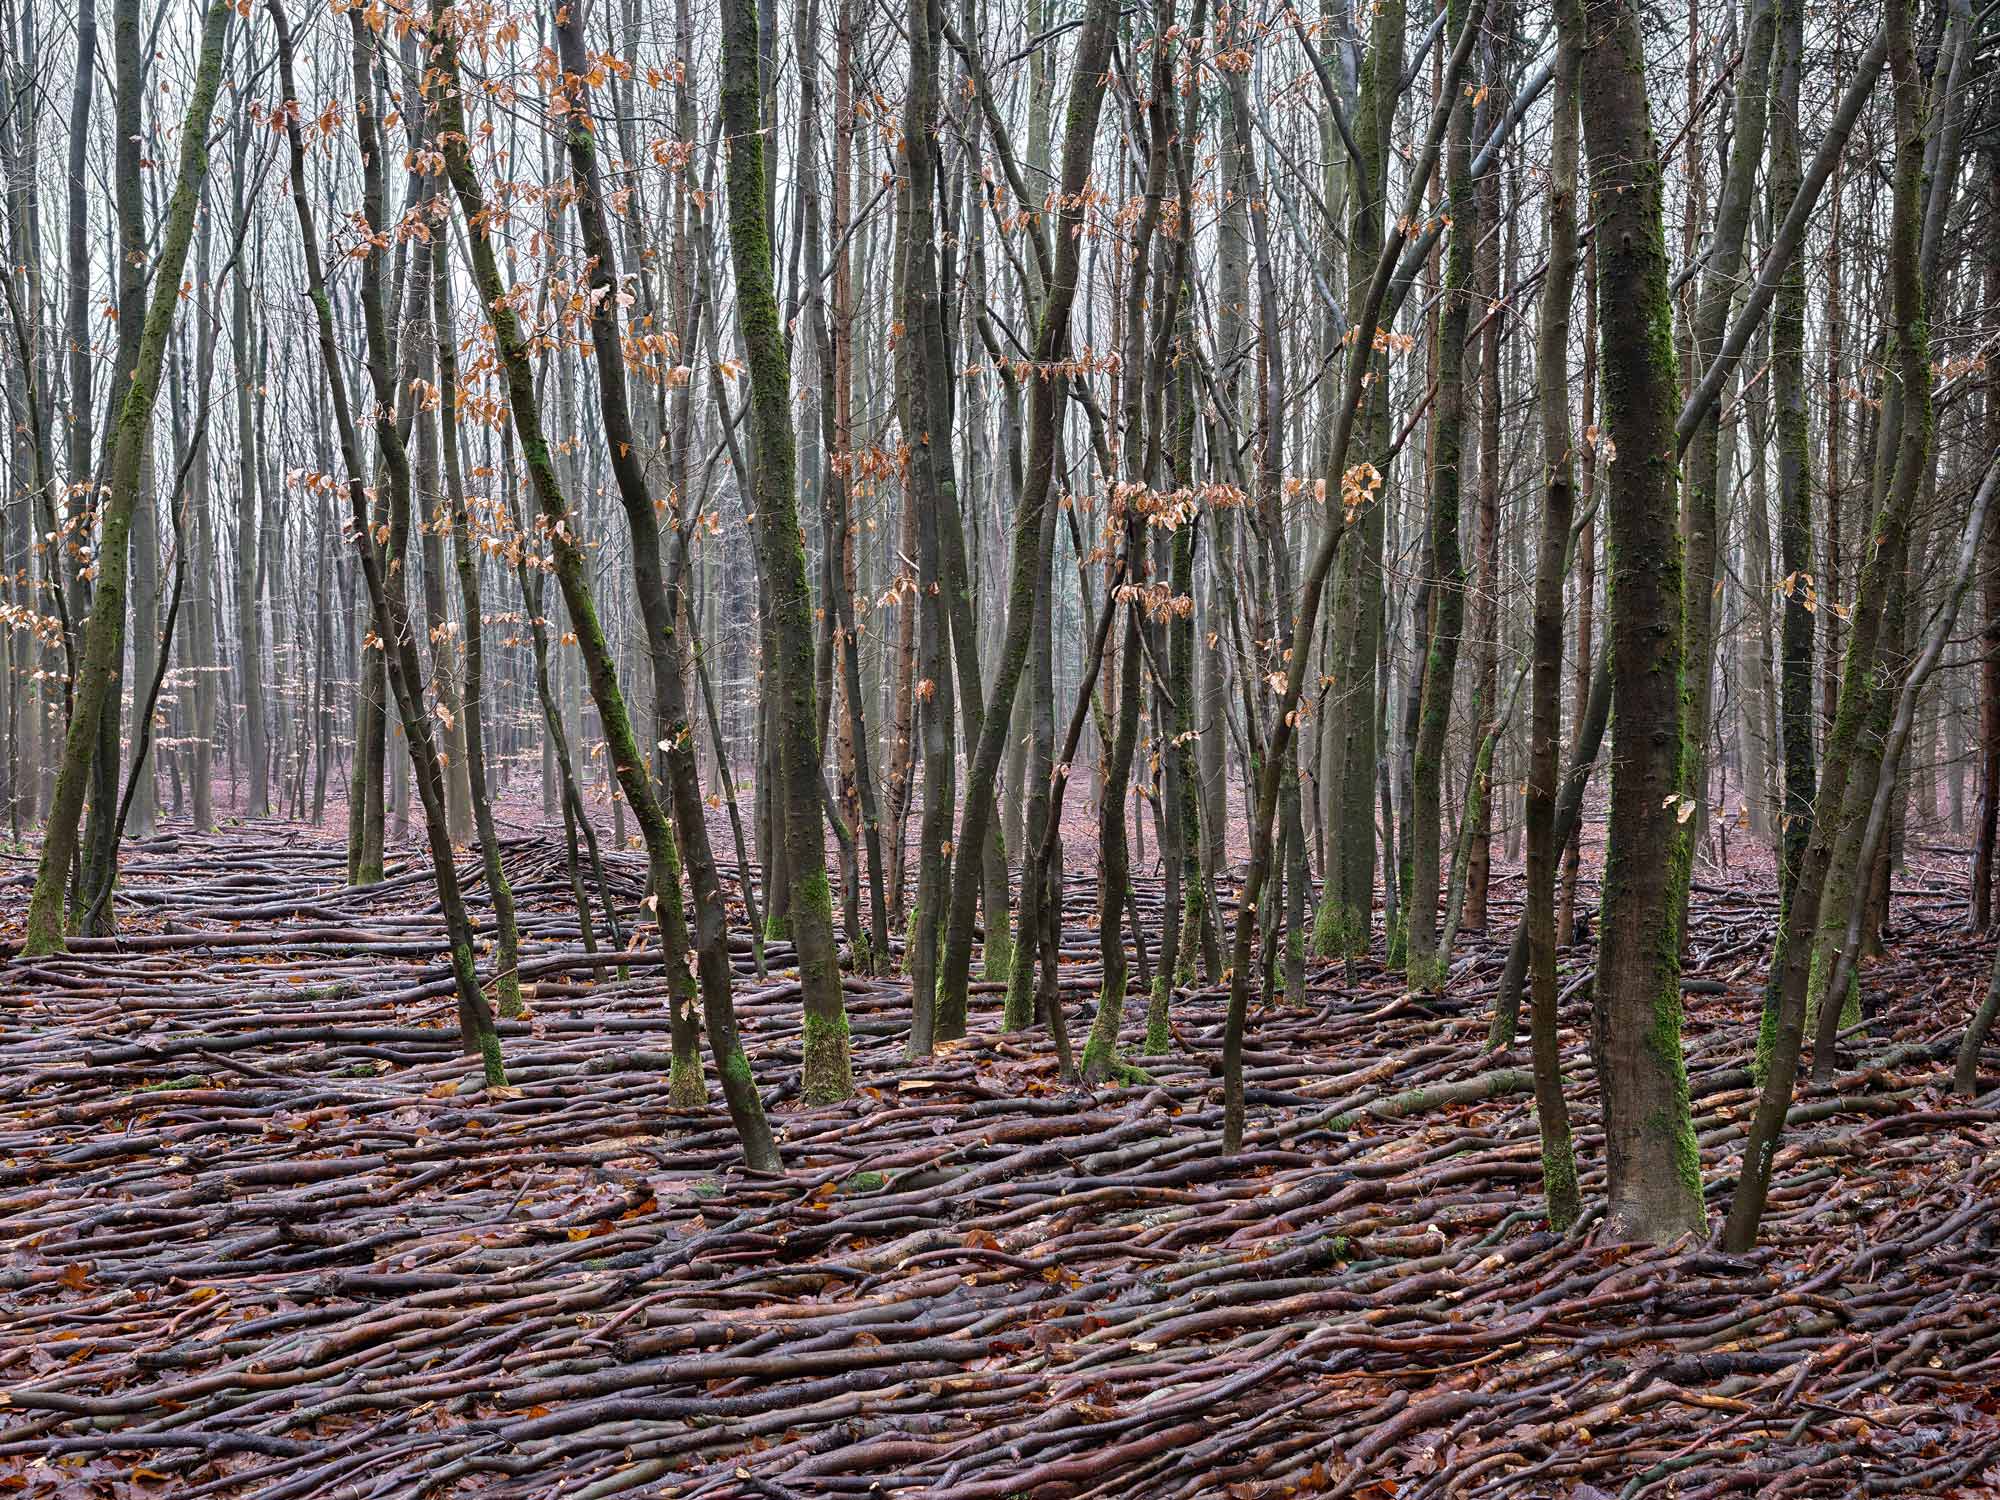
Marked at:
<point>1444,570</point>
<point>828,1073</point>
<point>932,496</point>
<point>1654,1168</point>
<point>125,448</point>
<point>1347,908</point>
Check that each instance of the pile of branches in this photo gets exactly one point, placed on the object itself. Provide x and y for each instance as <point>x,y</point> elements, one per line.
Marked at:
<point>264,1237</point>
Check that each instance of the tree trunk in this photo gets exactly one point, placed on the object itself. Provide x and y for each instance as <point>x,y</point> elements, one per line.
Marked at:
<point>1654,1167</point>
<point>475,1018</point>
<point>1559,1184</point>
<point>104,637</point>
<point>1444,573</point>
<point>828,1074</point>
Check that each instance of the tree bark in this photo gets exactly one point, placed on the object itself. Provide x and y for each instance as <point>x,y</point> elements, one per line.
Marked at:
<point>828,1073</point>
<point>1654,1167</point>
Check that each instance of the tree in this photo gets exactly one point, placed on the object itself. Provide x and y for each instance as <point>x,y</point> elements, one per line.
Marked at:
<point>125,445</point>
<point>1654,1168</point>
<point>781,553</point>
<point>386,599</point>
<point>1559,1184</point>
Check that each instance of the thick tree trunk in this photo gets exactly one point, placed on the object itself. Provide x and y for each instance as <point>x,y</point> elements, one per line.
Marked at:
<point>1654,1167</point>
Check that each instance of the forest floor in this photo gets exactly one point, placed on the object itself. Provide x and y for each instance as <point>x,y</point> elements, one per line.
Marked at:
<point>261,1238</point>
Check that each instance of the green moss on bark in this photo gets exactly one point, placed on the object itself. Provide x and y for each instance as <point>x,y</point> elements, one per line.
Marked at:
<point>828,1067</point>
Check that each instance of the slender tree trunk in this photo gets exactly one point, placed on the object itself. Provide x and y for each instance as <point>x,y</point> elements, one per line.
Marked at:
<point>1586,590</point>
<point>1051,349</point>
<point>1444,571</point>
<point>931,494</point>
<point>465,556</point>
<point>828,1074</point>
<point>1486,549</point>
<point>1559,1184</point>
<point>249,572</point>
<point>104,636</point>
<point>1795,549</point>
<point>1701,522</point>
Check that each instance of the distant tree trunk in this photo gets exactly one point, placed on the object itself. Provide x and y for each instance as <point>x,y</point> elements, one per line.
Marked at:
<point>367,812</point>
<point>1486,548</point>
<point>145,632</point>
<point>1031,918</point>
<point>1586,588</point>
<point>419,363</point>
<point>1795,548</point>
<point>1757,646</point>
<point>860,796</point>
<point>1654,1166</point>
<point>1186,903</point>
<point>903,729</point>
<point>200,542</point>
<point>249,572</point>
<point>1114,868</point>
<point>1701,524</point>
